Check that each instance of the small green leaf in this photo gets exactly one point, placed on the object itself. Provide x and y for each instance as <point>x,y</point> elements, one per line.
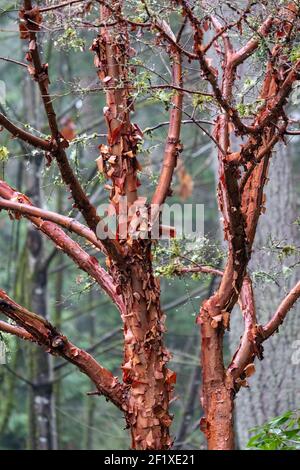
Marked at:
<point>4,154</point>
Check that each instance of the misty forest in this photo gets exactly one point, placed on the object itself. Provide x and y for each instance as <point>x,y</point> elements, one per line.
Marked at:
<point>172,323</point>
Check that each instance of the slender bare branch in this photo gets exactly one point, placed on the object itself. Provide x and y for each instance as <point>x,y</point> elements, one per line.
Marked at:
<point>197,269</point>
<point>67,222</point>
<point>13,61</point>
<point>87,263</point>
<point>282,311</point>
<point>61,5</point>
<point>254,335</point>
<point>248,344</point>
<point>173,146</point>
<point>31,139</point>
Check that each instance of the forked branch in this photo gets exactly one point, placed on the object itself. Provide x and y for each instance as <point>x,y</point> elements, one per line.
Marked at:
<point>254,334</point>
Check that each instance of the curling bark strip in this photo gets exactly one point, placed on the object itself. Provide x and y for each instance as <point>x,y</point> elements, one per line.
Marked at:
<point>145,373</point>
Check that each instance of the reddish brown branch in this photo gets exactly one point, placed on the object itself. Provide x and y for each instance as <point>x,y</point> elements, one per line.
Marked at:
<point>173,146</point>
<point>43,333</point>
<point>15,330</point>
<point>84,261</point>
<point>24,135</point>
<point>13,61</point>
<point>246,51</point>
<point>254,335</point>
<point>66,222</point>
<point>248,345</point>
<point>282,311</point>
<point>198,269</point>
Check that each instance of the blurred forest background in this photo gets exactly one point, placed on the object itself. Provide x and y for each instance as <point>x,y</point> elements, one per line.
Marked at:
<point>45,280</point>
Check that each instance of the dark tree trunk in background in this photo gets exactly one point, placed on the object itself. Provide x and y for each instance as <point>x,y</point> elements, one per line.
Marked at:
<point>58,312</point>
<point>42,408</point>
<point>275,386</point>
<point>91,403</point>
<point>43,411</point>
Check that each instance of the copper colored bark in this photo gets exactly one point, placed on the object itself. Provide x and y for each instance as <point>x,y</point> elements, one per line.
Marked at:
<point>241,204</point>
<point>144,367</point>
<point>145,357</point>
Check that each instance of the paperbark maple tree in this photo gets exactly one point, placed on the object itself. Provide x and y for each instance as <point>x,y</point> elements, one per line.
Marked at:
<point>145,392</point>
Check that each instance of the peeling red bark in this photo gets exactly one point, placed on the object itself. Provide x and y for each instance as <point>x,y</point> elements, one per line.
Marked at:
<point>241,205</point>
<point>217,390</point>
<point>145,357</point>
<point>144,368</point>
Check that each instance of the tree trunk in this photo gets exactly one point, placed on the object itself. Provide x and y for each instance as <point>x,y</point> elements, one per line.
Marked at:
<point>259,403</point>
<point>42,407</point>
<point>217,391</point>
<point>90,402</point>
<point>42,393</point>
<point>58,313</point>
<point>144,368</point>
<point>145,357</point>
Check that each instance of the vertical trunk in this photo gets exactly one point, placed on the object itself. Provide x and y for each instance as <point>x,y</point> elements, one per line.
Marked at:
<point>90,403</point>
<point>217,390</point>
<point>144,368</point>
<point>58,311</point>
<point>42,411</point>
<point>42,394</point>
<point>192,394</point>
<point>145,358</point>
<point>259,403</point>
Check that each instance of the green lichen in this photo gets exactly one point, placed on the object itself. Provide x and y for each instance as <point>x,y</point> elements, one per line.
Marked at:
<point>4,154</point>
<point>70,40</point>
